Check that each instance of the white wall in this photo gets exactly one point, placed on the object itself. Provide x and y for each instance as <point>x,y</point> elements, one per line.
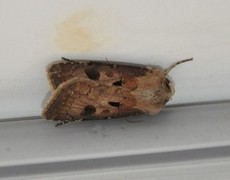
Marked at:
<point>35,33</point>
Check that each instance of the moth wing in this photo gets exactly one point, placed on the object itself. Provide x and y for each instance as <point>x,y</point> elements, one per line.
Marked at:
<point>109,72</point>
<point>62,71</point>
<point>82,99</point>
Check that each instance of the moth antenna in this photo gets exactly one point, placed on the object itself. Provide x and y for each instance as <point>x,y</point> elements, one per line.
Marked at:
<point>175,64</point>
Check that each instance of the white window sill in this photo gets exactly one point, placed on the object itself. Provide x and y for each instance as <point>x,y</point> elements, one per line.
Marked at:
<point>184,142</point>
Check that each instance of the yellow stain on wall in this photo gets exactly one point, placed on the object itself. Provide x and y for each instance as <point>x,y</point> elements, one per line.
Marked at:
<point>81,32</point>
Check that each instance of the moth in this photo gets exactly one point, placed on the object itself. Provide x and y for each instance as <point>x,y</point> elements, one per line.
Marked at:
<point>91,90</point>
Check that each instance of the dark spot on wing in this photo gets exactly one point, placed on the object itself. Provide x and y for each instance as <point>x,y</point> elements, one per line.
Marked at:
<point>92,73</point>
<point>88,110</point>
<point>114,104</point>
<point>118,83</point>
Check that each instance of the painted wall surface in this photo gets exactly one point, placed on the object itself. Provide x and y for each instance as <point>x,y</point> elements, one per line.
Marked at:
<point>35,33</point>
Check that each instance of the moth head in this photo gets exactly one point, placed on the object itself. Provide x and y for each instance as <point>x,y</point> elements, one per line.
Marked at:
<point>168,86</point>
<point>167,83</point>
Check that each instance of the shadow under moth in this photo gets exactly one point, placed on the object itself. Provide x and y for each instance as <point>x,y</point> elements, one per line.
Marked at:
<point>90,90</point>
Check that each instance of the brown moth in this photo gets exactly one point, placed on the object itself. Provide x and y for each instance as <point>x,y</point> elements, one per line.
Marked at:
<point>84,90</point>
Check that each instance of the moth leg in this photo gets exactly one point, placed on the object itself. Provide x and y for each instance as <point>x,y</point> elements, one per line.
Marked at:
<point>61,123</point>
<point>68,60</point>
<point>130,121</point>
<point>67,121</point>
<point>106,59</point>
<point>79,120</point>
